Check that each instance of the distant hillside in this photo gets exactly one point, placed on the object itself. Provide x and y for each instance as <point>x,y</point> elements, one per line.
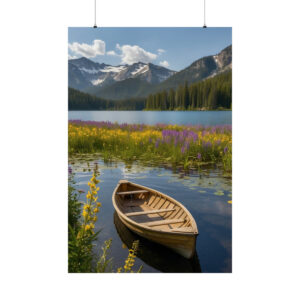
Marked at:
<point>202,68</point>
<point>212,93</point>
<point>83,101</point>
<point>128,88</point>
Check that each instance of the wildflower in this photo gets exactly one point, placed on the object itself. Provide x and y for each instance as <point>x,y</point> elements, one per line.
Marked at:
<point>86,206</point>
<point>199,156</point>
<point>84,213</point>
<point>96,210</point>
<point>182,150</point>
<point>157,143</point>
<point>88,196</point>
<point>87,227</point>
<point>99,204</point>
<point>225,149</point>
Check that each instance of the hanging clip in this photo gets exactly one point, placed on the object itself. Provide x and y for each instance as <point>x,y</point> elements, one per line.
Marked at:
<point>204,25</point>
<point>95,25</point>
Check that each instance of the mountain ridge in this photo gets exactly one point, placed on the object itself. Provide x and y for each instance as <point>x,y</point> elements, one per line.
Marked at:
<point>141,79</point>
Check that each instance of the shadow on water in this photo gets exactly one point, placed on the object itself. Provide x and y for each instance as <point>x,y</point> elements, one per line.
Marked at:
<point>155,255</point>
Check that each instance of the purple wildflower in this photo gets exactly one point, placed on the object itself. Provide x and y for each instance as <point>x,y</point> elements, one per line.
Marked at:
<point>199,156</point>
<point>157,143</point>
<point>225,149</point>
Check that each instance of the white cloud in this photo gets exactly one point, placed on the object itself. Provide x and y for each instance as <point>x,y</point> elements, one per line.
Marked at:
<point>72,56</point>
<point>132,54</point>
<point>112,53</point>
<point>164,63</point>
<point>161,51</point>
<point>86,50</point>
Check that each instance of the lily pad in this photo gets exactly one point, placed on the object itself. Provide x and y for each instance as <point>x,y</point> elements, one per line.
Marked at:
<point>219,193</point>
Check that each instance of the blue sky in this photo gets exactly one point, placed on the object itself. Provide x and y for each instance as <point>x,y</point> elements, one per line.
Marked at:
<point>174,48</point>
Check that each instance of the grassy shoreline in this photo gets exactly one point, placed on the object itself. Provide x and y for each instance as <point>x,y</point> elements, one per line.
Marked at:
<point>188,146</point>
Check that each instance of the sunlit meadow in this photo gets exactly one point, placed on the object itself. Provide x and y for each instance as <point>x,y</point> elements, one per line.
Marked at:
<point>189,146</point>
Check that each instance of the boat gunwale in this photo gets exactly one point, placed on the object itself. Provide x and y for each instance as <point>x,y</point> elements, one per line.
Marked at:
<point>136,224</point>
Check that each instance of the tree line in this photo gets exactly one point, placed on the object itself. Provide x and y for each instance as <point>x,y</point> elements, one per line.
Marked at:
<point>212,93</point>
<point>83,101</point>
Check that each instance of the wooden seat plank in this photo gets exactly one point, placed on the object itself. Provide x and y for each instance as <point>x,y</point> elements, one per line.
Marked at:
<point>163,222</point>
<point>133,192</point>
<point>154,211</point>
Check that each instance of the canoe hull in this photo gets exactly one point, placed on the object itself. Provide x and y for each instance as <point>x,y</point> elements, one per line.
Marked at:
<point>174,227</point>
<point>182,244</point>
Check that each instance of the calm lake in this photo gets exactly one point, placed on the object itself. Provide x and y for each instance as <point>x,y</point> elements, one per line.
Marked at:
<point>204,193</point>
<point>207,118</point>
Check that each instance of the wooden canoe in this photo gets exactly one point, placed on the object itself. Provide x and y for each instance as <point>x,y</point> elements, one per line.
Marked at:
<point>156,216</point>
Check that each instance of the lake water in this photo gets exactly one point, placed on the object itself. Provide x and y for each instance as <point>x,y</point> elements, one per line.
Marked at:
<point>205,194</point>
<point>207,118</point>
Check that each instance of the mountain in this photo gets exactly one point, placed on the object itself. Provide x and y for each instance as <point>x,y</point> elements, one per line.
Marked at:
<point>90,76</point>
<point>200,69</point>
<point>141,79</point>
<point>125,89</point>
<point>84,73</point>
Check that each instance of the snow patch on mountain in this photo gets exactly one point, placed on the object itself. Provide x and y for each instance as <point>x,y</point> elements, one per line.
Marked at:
<point>98,81</point>
<point>90,71</point>
<point>85,72</point>
<point>139,69</point>
<point>113,69</point>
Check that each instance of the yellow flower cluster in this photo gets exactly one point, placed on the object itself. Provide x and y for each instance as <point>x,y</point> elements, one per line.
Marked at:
<point>91,208</point>
<point>129,262</point>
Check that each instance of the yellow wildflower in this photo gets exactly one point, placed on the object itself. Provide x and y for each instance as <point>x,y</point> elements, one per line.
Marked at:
<point>86,206</point>
<point>87,227</point>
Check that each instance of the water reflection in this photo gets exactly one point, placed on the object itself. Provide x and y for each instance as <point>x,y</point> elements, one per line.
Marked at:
<point>155,255</point>
<point>205,193</point>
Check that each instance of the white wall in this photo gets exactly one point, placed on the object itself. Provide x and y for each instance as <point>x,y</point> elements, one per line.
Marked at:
<point>33,68</point>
